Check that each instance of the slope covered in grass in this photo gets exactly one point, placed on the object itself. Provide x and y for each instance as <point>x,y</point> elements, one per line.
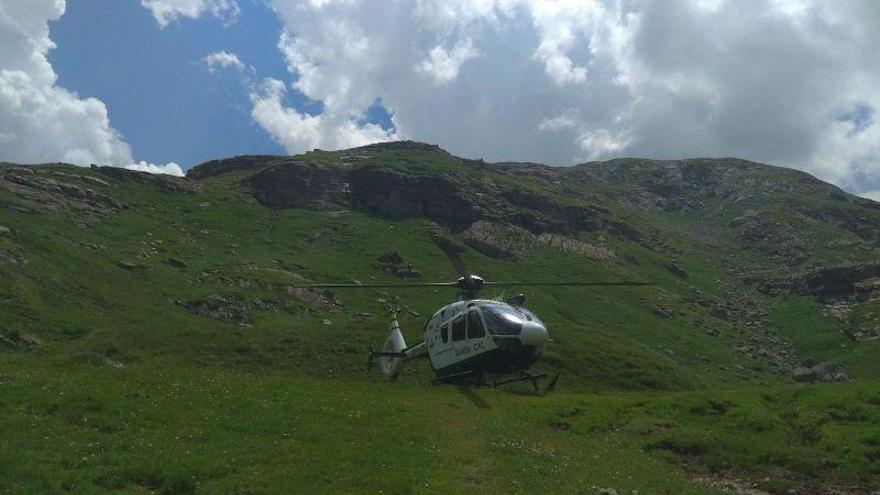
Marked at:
<point>153,339</point>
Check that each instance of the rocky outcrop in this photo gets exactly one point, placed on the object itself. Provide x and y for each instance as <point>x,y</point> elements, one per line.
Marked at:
<point>393,262</point>
<point>830,282</point>
<point>811,371</point>
<point>298,184</point>
<point>509,241</point>
<point>685,185</point>
<point>454,200</point>
<point>499,240</point>
<point>228,308</point>
<point>227,165</point>
<point>399,145</point>
<point>43,187</point>
<point>167,183</point>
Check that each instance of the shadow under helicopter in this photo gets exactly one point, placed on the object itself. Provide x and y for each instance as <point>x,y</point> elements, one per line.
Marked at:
<point>471,395</point>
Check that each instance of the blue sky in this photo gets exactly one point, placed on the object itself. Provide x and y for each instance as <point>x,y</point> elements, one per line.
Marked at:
<point>163,100</point>
<point>127,83</point>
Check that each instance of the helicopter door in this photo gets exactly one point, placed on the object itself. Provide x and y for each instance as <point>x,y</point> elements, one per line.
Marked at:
<point>458,335</point>
<point>478,337</point>
<point>442,350</point>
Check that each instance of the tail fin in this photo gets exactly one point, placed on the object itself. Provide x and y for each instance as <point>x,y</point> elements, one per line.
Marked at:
<point>390,363</point>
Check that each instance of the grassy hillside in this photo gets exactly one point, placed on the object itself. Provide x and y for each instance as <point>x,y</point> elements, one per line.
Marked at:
<point>152,342</point>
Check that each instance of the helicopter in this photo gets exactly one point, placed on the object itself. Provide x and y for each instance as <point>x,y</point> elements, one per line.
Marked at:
<point>473,340</point>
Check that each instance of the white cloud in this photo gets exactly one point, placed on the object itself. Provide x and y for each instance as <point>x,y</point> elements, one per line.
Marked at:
<point>223,60</point>
<point>299,132</point>
<point>167,11</point>
<point>561,24</point>
<point>602,143</point>
<point>442,66</point>
<point>557,123</point>
<point>40,121</point>
<point>170,168</point>
<point>560,81</point>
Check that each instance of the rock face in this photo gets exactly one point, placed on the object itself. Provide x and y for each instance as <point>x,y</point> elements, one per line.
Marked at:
<point>453,199</point>
<point>836,282</point>
<point>300,185</point>
<point>164,182</point>
<point>684,185</point>
<point>447,200</point>
<point>226,165</point>
<point>46,188</point>
<point>90,193</point>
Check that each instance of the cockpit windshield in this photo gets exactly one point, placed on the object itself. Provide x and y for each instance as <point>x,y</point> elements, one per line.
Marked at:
<point>529,315</point>
<point>502,319</point>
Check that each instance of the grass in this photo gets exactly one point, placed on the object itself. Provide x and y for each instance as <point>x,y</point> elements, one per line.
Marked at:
<point>168,429</point>
<point>129,392</point>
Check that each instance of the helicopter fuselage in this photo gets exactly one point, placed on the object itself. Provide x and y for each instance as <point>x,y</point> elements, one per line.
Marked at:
<point>483,337</point>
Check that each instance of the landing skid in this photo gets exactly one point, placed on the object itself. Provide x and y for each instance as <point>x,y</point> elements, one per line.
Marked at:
<point>524,376</point>
<point>459,378</point>
<point>480,380</point>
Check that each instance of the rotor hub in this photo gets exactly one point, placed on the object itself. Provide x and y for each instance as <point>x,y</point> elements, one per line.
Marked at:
<point>471,285</point>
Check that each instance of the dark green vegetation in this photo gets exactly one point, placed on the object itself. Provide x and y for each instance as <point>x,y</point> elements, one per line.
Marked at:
<point>152,342</point>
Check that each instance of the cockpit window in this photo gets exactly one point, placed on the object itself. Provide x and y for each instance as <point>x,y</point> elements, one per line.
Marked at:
<point>475,328</point>
<point>458,326</point>
<point>528,314</point>
<point>502,319</point>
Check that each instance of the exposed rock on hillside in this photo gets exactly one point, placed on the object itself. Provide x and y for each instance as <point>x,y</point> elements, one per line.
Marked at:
<point>226,165</point>
<point>46,188</point>
<point>448,200</point>
<point>454,200</point>
<point>832,282</point>
<point>392,262</point>
<point>165,182</point>
<point>299,184</point>
<point>508,241</point>
<point>684,185</point>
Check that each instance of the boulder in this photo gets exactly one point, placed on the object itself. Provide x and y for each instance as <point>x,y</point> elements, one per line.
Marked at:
<point>818,372</point>
<point>677,270</point>
<point>392,257</point>
<point>128,265</point>
<point>176,263</point>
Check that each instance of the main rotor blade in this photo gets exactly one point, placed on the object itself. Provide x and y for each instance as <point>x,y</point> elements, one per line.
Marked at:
<point>452,252</point>
<point>572,284</point>
<point>393,285</point>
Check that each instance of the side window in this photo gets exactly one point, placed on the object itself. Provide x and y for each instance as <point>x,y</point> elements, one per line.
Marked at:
<point>444,332</point>
<point>458,324</point>
<point>476,330</point>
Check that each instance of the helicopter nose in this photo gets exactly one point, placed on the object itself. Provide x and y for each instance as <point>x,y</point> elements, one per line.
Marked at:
<point>533,334</point>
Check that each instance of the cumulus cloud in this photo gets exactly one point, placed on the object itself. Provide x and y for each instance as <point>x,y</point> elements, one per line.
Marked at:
<point>223,60</point>
<point>442,66</point>
<point>40,121</point>
<point>170,168</point>
<point>298,131</point>
<point>790,82</point>
<point>167,11</point>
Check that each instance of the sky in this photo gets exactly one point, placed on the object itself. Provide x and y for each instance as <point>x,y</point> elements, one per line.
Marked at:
<point>162,85</point>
